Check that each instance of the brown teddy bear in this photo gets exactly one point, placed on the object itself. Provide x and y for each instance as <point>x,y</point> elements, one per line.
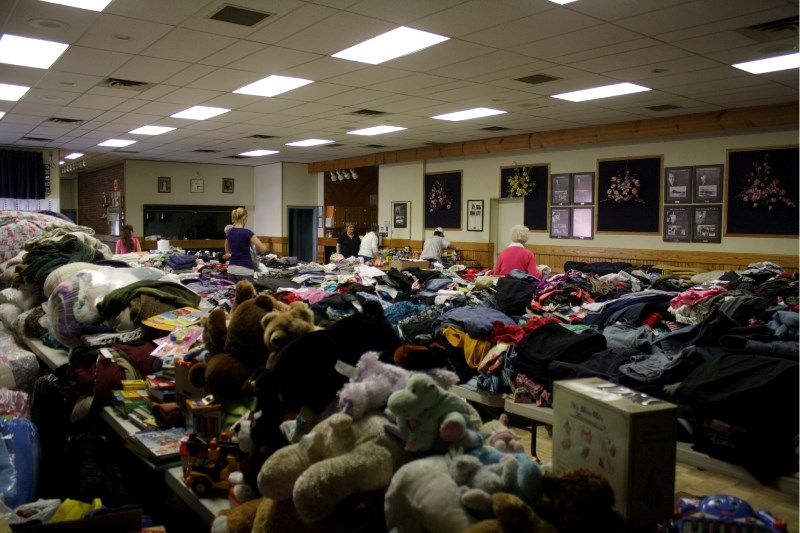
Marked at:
<point>235,350</point>
<point>283,325</point>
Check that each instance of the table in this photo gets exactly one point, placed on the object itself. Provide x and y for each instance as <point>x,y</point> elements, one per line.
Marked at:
<point>125,428</point>
<point>205,508</point>
<point>54,358</point>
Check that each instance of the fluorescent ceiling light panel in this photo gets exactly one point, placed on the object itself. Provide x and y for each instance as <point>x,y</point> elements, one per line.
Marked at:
<point>2,114</point>
<point>468,114</point>
<point>151,130</point>
<point>310,142</point>
<point>257,153</point>
<point>562,2</point>
<point>601,92</point>
<point>117,143</point>
<point>12,92</point>
<point>272,85</point>
<point>771,64</point>
<point>200,112</point>
<point>27,52</point>
<point>375,130</point>
<point>92,5</point>
<point>73,155</point>
<point>398,42</point>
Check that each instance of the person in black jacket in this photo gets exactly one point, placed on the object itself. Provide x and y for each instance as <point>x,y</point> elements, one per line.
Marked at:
<point>348,243</point>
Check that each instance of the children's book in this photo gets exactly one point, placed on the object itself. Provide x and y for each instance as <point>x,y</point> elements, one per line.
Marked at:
<point>159,444</point>
<point>185,316</point>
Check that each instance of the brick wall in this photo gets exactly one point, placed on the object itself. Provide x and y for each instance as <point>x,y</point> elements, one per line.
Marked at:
<point>91,187</point>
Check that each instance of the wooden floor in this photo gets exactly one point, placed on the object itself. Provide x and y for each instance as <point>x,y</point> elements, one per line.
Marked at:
<point>697,482</point>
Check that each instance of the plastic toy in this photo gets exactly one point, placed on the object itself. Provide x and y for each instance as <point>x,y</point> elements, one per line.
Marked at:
<point>207,464</point>
<point>722,512</point>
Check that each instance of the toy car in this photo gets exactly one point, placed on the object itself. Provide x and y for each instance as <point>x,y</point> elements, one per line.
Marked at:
<point>722,512</point>
<point>207,464</point>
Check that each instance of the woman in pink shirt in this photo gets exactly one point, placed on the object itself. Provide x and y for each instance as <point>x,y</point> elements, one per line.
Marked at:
<point>128,243</point>
<point>516,256</point>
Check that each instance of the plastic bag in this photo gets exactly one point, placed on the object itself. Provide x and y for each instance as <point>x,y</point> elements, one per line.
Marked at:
<point>19,460</point>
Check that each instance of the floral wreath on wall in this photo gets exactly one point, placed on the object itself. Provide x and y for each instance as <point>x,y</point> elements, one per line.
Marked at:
<point>440,197</point>
<point>520,183</point>
<point>762,189</point>
<point>624,188</point>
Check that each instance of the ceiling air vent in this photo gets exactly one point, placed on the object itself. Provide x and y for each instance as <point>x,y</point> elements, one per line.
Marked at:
<point>205,151</point>
<point>772,31</point>
<point>239,15</point>
<point>367,112</point>
<point>131,85</point>
<point>258,136</point>
<point>536,79</point>
<point>236,157</point>
<point>494,128</point>
<point>36,139</point>
<point>664,107</point>
<point>333,145</point>
<point>376,146</point>
<point>59,120</point>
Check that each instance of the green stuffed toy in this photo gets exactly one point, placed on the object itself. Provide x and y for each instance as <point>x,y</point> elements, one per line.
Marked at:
<point>426,413</point>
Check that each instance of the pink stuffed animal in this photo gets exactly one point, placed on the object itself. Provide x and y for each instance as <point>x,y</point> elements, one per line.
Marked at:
<point>497,434</point>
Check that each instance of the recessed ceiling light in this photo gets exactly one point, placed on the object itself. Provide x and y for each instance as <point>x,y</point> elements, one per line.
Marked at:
<point>92,5</point>
<point>119,143</point>
<point>12,92</point>
<point>200,112</point>
<point>376,130</point>
<point>151,130</point>
<point>73,155</point>
<point>398,42</point>
<point>468,114</point>
<point>122,37</point>
<point>48,24</point>
<point>310,142</point>
<point>601,92</point>
<point>257,153</point>
<point>771,64</point>
<point>27,52</point>
<point>272,85</point>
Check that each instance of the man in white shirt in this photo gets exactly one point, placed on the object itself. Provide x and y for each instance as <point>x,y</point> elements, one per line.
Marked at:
<point>434,246</point>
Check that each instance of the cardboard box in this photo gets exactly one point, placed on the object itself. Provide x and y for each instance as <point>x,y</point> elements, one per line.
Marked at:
<point>184,390</point>
<point>403,264</point>
<point>626,436</point>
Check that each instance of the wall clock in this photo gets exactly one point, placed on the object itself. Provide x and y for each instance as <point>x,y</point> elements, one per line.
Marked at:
<point>196,185</point>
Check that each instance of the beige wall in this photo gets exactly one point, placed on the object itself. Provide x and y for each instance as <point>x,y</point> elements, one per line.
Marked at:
<point>481,180</point>
<point>141,186</point>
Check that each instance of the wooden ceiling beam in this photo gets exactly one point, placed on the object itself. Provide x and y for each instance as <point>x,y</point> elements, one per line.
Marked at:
<point>714,121</point>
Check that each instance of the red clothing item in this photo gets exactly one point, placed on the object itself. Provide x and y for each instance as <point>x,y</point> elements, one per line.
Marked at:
<point>516,257</point>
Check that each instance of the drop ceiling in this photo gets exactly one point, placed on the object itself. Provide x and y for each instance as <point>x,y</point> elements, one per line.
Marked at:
<point>180,57</point>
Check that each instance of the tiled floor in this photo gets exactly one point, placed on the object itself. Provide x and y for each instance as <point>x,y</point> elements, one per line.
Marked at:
<point>697,482</point>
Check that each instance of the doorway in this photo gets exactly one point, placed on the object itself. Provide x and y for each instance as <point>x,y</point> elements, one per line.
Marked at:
<point>503,214</point>
<point>303,233</point>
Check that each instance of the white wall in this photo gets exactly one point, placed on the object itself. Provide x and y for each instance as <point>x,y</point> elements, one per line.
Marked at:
<point>300,189</point>
<point>141,186</point>
<point>481,180</point>
<point>267,216</point>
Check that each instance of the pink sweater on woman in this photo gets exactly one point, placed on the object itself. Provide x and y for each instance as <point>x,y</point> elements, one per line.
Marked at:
<point>516,257</point>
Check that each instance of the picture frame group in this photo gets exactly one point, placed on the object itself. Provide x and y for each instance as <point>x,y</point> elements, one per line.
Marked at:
<point>700,184</point>
<point>697,223</point>
<point>572,189</point>
<point>572,222</point>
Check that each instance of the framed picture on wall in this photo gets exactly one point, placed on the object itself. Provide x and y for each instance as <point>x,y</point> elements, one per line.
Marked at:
<point>400,213</point>
<point>560,189</point>
<point>164,184</point>
<point>443,200</point>
<point>227,185</point>
<point>707,224</point>
<point>629,195</point>
<point>583,188</point>
<point>559,222</point>
<point>583,222</point>
<point>708,184</point>
<point>677,223</point>
<point>678,185</point>
<point>474,215</point>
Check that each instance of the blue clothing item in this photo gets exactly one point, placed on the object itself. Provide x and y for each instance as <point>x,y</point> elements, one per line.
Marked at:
<point>239,242</point>
<point>476,321</point>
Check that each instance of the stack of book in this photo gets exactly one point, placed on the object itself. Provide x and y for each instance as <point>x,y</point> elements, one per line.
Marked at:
<point>158,444</point>
<point>161,386</point>
<point>126,401</point>
<point>142,417</point>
